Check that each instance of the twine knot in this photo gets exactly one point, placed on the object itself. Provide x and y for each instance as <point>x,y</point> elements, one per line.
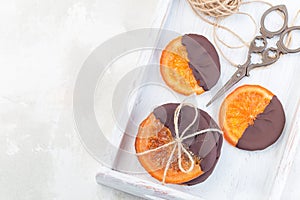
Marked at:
<point>178,142</point>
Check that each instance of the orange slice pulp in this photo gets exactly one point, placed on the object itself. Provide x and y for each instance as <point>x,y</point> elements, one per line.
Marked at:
<point>175,70</point>
<point>240,109</point>
<point>152,134</point>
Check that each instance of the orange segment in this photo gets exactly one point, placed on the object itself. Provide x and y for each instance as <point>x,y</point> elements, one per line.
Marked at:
<point>175,70</point>
<point>152,134</point>
<point>240,109</point>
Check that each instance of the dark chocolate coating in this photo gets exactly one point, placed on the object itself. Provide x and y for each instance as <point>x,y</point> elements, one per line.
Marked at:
<point>207,146</point>
<point>266,129</point>
<point>203,60</point>
<point>204,176</point>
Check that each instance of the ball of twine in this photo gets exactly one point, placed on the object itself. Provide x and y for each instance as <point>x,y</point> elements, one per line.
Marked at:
<point>216,8</point>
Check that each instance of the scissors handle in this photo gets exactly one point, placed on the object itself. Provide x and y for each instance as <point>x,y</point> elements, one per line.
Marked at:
<point>282,46</point>
<point>267,33</point>
<point>268,55</point>
<point>282,32</point>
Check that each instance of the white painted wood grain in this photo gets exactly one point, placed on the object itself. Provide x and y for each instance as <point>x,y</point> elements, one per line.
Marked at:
<point>288,157</point>
<point>140,187</point>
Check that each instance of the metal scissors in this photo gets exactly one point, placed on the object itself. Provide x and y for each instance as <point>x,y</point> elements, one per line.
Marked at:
<point>268,55</point>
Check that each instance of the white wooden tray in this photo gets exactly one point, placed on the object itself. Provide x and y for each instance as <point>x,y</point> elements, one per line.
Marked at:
<point>239,174</point>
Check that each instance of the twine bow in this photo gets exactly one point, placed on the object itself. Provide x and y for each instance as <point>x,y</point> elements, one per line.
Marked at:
<point>179,138</point>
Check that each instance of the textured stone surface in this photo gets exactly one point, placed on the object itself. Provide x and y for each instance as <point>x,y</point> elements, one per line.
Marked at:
<point>43,45</point>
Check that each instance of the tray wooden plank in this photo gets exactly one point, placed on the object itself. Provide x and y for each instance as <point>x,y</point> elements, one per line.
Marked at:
<point>266,171</point>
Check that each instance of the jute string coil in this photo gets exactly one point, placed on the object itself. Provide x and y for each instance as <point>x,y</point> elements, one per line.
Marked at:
<point>216,8</point>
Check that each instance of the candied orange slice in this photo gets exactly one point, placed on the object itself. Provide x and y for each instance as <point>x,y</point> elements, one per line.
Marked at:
<point>175,70</point>
<point>240,109</point>
<point>152,134</point>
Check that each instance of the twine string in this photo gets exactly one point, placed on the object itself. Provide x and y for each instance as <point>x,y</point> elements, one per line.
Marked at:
<point>219,9</point>
<point>245,43</point>
<point>289,36</point>
<point>216,8</point>
<point>178,142</point>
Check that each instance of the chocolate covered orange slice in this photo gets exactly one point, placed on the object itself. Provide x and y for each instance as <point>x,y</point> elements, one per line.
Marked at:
<point>190,64</point>
<point>158,129</point>
<point>251,117</point>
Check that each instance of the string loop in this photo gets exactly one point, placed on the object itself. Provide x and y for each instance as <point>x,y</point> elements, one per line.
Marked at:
<point>219,9</point>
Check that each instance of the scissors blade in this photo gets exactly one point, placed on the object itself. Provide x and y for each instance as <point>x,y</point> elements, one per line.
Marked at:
<point>236,77</point>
